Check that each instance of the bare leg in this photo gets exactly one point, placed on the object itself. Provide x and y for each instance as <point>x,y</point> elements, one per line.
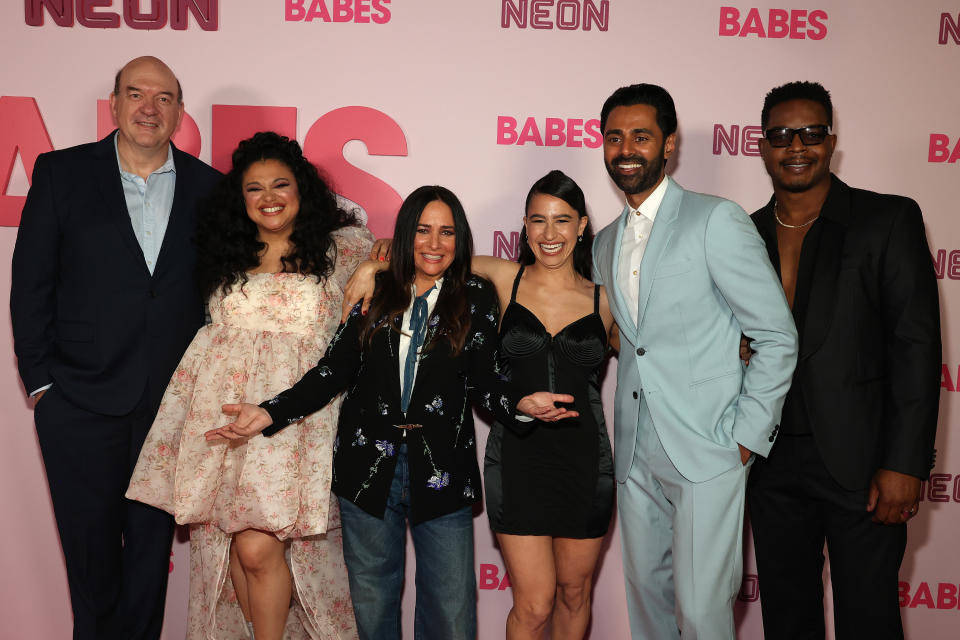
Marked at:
<point>534,581</point>
<point>575,562</point>
<point>268,581</point>
<point>239,583</point>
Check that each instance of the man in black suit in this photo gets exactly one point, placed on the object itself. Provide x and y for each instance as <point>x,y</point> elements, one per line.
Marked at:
<point>859,422</point>
<point>104,304</point>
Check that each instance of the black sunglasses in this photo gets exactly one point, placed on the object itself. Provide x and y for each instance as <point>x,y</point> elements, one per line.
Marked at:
<point>783,136</point>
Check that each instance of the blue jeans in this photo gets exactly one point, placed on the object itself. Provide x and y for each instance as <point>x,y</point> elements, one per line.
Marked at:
<point>446,582</point>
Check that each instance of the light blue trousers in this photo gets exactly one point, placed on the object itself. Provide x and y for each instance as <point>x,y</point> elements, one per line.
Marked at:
<point>682,545</point>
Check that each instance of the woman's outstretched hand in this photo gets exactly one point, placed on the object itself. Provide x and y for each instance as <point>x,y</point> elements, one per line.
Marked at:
<point>541,405</point>
<point>249,420</point>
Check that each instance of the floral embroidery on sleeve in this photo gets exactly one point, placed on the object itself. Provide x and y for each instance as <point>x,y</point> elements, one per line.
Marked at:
<point>387,450</point>
<point>385,447</point>
<point>476,340</point>
<point>439,479</point>
<point>359,439</point>
<point>436,405</point>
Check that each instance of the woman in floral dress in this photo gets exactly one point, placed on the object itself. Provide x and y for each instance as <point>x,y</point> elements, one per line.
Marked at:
<point>405,448</point>
<point>274,253</point>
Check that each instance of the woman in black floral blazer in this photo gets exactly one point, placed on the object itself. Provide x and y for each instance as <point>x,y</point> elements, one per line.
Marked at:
<point>405,449</point>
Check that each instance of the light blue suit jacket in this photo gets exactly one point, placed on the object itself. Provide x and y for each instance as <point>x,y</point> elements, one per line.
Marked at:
<point>705,277</point>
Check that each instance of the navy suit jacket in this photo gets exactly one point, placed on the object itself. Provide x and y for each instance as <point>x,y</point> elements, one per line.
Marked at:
<point>87,314</point>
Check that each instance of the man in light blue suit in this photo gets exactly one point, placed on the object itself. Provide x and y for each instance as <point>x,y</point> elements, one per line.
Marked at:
<point>686,274</point>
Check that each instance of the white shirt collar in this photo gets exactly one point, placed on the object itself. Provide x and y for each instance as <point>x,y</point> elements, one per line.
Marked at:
<point>649,207</point>
<point>433,294</point>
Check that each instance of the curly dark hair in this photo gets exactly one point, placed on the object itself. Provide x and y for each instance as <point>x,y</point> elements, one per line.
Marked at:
<point>226,239</point>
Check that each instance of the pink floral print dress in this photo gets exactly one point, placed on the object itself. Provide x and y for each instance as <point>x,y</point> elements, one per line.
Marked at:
<point>262,339</point>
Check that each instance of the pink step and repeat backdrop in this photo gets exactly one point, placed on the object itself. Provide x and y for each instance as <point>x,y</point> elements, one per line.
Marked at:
<point>485,96</point>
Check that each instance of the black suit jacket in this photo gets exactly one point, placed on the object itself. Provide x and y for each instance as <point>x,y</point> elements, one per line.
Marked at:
<point>870,354</point>
<point>442,455</point>
<point>87,314</point>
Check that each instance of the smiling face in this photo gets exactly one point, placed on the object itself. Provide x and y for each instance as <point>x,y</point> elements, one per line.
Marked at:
<point>635,151</point>
<point>798,167</point>
<point>552,229</point>
<point>145,106</point>
<point>434,245</point>
<point>271,196</point>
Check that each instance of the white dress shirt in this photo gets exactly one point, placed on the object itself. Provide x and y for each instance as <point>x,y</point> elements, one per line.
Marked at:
<point>636,234</point>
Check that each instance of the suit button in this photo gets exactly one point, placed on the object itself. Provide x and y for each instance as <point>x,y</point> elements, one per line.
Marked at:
<point>641,351</point>
<point>635,396</point>
<point>771,439</point>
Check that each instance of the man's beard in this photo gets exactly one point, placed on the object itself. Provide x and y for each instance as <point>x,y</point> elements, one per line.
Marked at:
<point>644,180</point>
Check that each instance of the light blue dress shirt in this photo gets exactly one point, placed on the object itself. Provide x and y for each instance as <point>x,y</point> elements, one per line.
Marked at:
<point>148,203</point>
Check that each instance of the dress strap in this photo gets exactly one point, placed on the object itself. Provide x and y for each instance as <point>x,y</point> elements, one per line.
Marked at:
<point>516,283</point>
<point>596,298</point>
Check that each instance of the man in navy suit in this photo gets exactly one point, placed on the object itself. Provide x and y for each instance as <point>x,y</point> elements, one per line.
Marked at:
<point>104,304</point>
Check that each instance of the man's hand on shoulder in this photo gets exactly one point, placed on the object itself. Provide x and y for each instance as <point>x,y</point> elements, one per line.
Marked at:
<point>894,497</point>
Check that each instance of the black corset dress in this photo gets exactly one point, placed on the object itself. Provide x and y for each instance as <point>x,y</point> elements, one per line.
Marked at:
<point>552,478</point>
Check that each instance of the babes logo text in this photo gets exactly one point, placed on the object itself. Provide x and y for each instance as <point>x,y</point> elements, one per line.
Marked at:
<point>357,11</point>
<point>491,577</point>
<point>937,595</point>
<point>553,132</point>
<point>795,24</point>
<point>105,14</point>
<point>941,149</point>
<point>24,133</point>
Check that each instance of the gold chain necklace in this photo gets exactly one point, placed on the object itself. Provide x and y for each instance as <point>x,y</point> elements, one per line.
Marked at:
<point>791,226</point>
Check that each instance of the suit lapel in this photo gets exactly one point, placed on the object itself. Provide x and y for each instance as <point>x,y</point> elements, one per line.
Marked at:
<point>393,364</point>
<point>114,203</point>
<point>178,230</point>
<point>663,226</point>
<point>823,287</point>
<point>767,229</point>
<point>620,305</point>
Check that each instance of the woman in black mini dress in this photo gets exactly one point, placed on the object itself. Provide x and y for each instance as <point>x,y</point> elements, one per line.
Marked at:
<point>549,485</point>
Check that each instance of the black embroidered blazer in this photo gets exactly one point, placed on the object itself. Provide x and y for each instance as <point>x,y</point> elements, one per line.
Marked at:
<point>444,475</point>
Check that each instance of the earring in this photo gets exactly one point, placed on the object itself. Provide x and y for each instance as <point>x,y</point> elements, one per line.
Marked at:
<point>580,238</point>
